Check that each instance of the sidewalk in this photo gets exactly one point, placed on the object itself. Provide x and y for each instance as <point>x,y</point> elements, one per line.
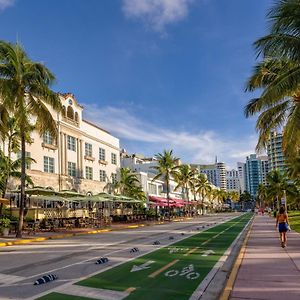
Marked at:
<point>268,272</point>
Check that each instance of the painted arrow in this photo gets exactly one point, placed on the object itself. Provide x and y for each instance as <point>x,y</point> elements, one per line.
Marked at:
<point>144,266</point>
<point>207,252</point>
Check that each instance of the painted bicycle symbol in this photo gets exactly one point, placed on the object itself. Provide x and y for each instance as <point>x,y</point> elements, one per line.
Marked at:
<point>188,272</point>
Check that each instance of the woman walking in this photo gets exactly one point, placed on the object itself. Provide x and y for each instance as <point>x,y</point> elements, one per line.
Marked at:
<point>283,225</point>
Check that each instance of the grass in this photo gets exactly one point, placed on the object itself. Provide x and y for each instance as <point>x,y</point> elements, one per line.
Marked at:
<point>58,296</point>
<point>162,286</point>
<point>294,220</point>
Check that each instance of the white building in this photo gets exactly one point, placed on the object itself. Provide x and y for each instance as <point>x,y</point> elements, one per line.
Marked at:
<point>232,181</point>
<point>84,156</point>
<point>242,176</point>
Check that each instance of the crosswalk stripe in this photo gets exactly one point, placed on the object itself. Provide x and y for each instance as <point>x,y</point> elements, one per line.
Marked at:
<point>9,279</point>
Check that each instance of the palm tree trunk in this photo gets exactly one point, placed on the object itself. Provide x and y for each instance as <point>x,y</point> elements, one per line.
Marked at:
<point>168,197</point>
<point>23,176</point>
<point>188,200</point>
<point>202,202</point>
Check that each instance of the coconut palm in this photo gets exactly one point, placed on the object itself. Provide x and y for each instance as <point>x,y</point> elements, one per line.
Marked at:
<point>277,185</point>
<point>262,194</point>
<point>167,166</point>
<point>276,110</point>
<point>293,169</point>
<point>185,180</point>
<point>25,92</point>
<point>279,77</point>
<point>127,182</point>
<point>203,188</point>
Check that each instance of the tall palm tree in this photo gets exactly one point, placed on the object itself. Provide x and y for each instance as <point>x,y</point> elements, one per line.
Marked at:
<point>279,77</point>
<point>25,92</point>
<point>167,166</point>
<point>262,194</point>
<point>185,179</point>
<point>203,188</point>
<point>293,169</point>
<point>277,184</point>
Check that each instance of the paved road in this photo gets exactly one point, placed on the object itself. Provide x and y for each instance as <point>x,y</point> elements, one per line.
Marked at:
<point>73,258</point>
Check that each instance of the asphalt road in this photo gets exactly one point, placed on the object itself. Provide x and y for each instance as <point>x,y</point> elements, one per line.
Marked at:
<point>74,258</point>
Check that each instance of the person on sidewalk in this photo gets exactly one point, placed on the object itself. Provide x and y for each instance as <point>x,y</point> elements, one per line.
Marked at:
<point>282,222</point>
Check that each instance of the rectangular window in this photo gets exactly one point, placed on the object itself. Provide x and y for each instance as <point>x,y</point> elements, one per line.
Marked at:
<point>27,164</point>
<point>71,143</point>
<point>152,188</point>
<point>113,178</point>
<point>114,158</point>
<point>71,169</point>
<point>101,154</point>
<point>48,138</point>
<point>48,164</point>
<point>102,175</point>
<point>89,173</point>
<point>88,150</point>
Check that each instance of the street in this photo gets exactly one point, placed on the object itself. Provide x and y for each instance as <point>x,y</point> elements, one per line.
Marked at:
<point>74,258</point>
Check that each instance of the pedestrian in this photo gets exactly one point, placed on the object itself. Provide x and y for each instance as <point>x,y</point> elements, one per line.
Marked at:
<point>283,225</point>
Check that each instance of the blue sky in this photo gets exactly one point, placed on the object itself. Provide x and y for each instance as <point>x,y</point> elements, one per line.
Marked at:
<point>156,73</point>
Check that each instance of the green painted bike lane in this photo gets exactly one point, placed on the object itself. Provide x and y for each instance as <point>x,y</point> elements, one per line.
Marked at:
<point>171,272</point>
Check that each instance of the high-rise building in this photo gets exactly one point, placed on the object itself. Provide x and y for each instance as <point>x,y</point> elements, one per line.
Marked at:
<point>216,173</point>
<point>232,181</point>
<point>254,174</point>
<point>275,152</point>
<point>242,176</point>
<point>264,168</point>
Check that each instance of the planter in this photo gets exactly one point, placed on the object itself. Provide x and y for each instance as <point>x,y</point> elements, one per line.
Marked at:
<point>5,231</point>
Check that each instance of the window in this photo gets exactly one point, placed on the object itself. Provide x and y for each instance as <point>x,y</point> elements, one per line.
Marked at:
<point>101,154</point>
<point>102,175</point>
<point>27,164</point>
<point>71,143</point>
<point>70,113</point>
<point>89,173</point>
<point>88,150</point>
<point>152,188</point>
<point>114,158</point>
<point>114,178</point>
<point>48,164</point>
<point>47,138</point>
<point>71,169</point>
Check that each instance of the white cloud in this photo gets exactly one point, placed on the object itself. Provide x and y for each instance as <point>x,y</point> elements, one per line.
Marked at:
<point>6,3</point>
<point>193,148</point>
<point>157,13</point>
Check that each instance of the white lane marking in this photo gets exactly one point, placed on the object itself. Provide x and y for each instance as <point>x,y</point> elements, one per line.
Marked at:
<point>144,266</point>
<point>208,252</point>
<point>9,279</point>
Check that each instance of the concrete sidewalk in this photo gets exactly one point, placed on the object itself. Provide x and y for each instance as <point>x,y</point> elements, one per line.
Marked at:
<point>267,270</point>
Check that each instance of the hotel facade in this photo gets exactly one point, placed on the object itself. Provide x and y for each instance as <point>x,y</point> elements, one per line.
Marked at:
<point>83,157</point>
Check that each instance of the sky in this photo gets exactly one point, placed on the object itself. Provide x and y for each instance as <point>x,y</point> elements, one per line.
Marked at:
<point>158,74</point>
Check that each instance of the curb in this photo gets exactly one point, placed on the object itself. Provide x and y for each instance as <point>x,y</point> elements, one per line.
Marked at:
<point>234,271</point>
<point>66,235</point>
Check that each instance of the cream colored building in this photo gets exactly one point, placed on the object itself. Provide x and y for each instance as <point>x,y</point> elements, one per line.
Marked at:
<point>84,156</point>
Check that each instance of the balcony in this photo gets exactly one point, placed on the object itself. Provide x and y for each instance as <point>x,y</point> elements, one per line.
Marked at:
<point>49,146</point>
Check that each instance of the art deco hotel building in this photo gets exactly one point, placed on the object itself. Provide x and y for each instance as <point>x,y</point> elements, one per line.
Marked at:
<point>84,157</point>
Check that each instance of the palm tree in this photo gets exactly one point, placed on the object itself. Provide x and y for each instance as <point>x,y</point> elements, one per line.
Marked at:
<point>276,110</point>
<point>279,77</point>
<point>277,185</point>
<point>166,168</point>
<point>185,179</point>
<point>262,194</point>
<point>293,169</point>
<point>10,168</point>
<point>203,188</point>
<point>25,92</point>
<point>127,182</point>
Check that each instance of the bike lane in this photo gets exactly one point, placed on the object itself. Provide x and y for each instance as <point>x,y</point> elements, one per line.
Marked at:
<point>171,272</point>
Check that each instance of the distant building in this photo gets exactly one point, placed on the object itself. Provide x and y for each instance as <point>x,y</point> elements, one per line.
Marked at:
<point>232,181</point>
<point>275,152</point>
<point>254,173</point>
<point>216,173</point>
<point>264,168</point>
<point>242,176</point>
